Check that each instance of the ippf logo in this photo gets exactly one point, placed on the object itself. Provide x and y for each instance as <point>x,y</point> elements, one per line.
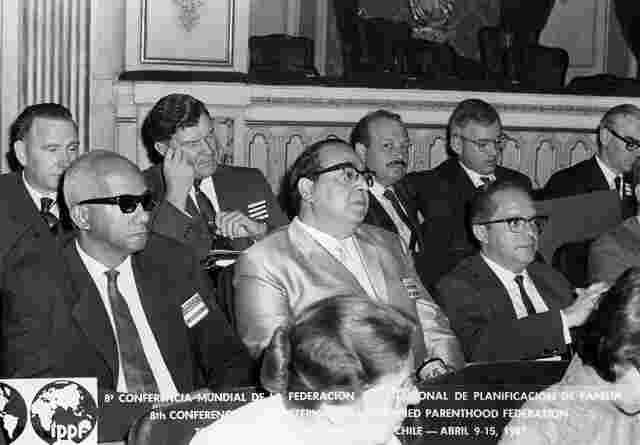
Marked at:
<point>63,411</point>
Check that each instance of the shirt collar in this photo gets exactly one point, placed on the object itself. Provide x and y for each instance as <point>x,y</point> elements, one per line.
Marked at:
<point>377,189</point>
<point>504,274</point>
<point>609,174</point>
<point>36,196</point>
<point>475,176</point>
<point>95,267</point>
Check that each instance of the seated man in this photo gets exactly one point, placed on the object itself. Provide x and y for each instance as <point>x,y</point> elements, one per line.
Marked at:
<point>200,199</point>
<point>476,141</point>
<point>121,305</point>
<point>619,249</point>
<point>502,304</point>
<point>618,144</point>
<point>327,250</point>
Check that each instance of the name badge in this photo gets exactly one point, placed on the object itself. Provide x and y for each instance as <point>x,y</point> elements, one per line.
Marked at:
<point>258,210</point>
<point>412,287</point>
<point>194,310</point>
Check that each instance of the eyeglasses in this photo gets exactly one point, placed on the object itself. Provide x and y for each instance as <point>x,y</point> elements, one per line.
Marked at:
<point>518,224</point>
<point>127,203</point>
<point>631,144</point>
<point>349,173</point>
<point>485,144</point>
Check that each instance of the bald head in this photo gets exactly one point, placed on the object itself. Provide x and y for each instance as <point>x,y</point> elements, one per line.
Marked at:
<point>88,177</point>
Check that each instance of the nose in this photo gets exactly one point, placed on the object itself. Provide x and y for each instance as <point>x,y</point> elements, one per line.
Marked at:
<point>141,215</point>
<point>65,157</point>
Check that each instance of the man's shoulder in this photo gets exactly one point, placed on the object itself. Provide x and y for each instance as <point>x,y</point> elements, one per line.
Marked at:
<point>235,171</point>
<point>378,235</point>
<point>162,251</point>
<point>466,269</point>
<point>583,167</point>
<point>509,174</point>
<point>9,184</point>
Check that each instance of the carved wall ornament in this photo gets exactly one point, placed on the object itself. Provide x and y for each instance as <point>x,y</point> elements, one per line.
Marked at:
<point>190,13</point>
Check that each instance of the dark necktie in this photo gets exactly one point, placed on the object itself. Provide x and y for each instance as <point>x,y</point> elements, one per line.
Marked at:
<point>205,207</point>
<point>137,372</point>
<point>523,294</point>
<point>619,184</point>
<point>45,212</point>
<point>395,202</point>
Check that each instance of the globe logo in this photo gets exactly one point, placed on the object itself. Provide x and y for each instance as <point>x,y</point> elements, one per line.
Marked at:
<point>63,412</point>
<point>13,413</point>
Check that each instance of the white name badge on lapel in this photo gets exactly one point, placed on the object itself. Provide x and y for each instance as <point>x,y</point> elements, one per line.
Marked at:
<point>258,210</point>
<point>194,310</point>
<point>412,287</point>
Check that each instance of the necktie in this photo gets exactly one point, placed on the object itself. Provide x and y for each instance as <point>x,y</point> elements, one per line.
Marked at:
<point>413,227</point>
<point>205,207</point>
<point>45,212</point>
<point>523,294</point>
<point>137,372</point>
<point>619,185</point>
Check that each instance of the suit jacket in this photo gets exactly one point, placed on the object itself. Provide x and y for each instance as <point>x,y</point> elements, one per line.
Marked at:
<point>282,274</point>
<point>615,251</point>
<point>483,317</point>
<point>22,228</point>
<point>54,323</point>
<point>443,195</point>
<point>584,177</point>
<point>236,189</point>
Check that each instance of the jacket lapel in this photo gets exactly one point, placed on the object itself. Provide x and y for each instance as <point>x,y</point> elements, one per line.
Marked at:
<point>89,311</point>
<point>377,215</point>
<point>319,257</point>
<point>371,260</point>
<point>490,285</point>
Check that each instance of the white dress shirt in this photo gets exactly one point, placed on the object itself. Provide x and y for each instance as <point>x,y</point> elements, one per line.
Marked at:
<point>610,175</point>
<point>36,196</point>
<point>129,290</point>
<point>476,178</point>
<point>403,230</point>
<point>209,190</point>
<point>507,278</point>
<point>346,251</point>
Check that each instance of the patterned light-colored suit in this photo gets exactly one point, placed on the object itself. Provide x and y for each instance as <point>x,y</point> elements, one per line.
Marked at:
<point>282,274</point>
<point>615,251</point>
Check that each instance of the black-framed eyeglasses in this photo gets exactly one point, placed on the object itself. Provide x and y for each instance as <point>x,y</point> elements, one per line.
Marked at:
<point>484,145</point>
<point>631,144</point>
<point>127,203</point>
<point>349,173</point>
<point>518,224</point>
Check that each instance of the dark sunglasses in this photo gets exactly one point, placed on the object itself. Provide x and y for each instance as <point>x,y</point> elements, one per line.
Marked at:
<point>127,203</point>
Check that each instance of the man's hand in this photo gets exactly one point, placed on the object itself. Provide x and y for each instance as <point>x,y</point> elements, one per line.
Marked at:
<point>236,224</point>
<point>179,175</point>
<point>587,300</point>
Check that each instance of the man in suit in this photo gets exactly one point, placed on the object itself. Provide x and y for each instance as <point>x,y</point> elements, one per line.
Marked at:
<point>475,140</point>
<point>201,199</point>
<point>609,169</point>
<point>327,250</point>
<point>382,142</point>
<point>618,249</point>
<point>502,304</point>
<point>43,141</point>
<point>137,318</point>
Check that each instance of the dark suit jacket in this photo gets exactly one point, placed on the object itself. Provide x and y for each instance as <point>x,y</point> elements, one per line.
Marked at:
<point>483,317</point>
<point>584,177</point>
<point>443,195</point>
<point>236,188</point>
<point>55,325</point>
<point>22,229</point>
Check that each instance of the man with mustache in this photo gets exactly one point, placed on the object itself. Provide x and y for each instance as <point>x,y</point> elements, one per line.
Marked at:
<point>327,250</point>
<point>503,305</point>
<point>382,142</point>
<point>475,142</point>
<point>127,307</point>
<point>201,199</point>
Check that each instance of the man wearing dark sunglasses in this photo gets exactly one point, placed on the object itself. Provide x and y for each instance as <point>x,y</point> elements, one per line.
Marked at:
<point>121,304</point>
<point>327,250</point>
<point>504,305</point>
<point>618,138</point>
<point>199,197</point>
<point>475,144</point>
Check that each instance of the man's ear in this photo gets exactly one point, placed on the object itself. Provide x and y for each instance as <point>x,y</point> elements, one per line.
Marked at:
<point>604,136</point>
<point>20,149</point>
<point>305,188</point>
<point>80,216</point>
<point>636,192</point>
<point>361,151</point>
<point>161,147</point>
<point>455,142</point>
<point>481,233</point>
